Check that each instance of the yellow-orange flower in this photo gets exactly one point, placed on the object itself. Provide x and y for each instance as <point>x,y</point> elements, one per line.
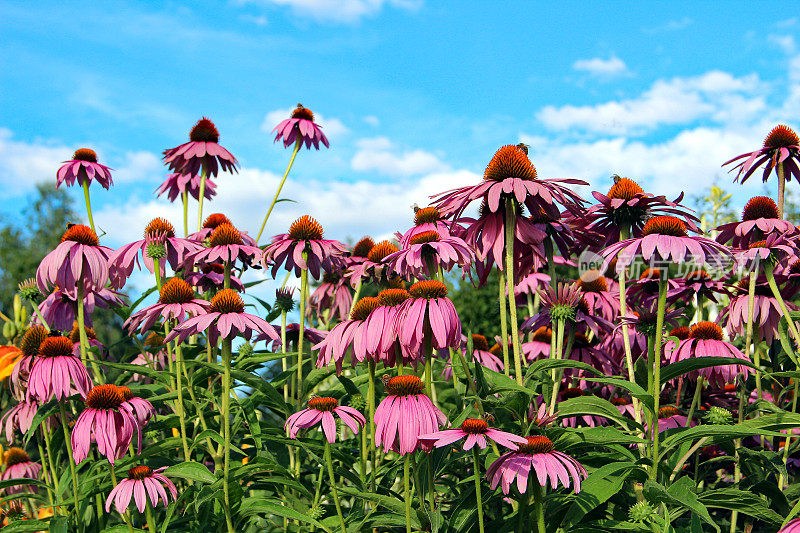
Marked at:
<point>9,356</point>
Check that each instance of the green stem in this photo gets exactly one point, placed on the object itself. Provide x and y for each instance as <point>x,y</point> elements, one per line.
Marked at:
<point>538,508</point>
<point>777,293</point>
<point>781,189</point>
<point>88,204</point>
<point>278,192</point>
<point>331,477</point>
<point>71,460</point>
<point>522,512</point>
<point>284,362</point>
<point>695,400</point>
<point>48,477</point>
<point>300,333</point>
<point>185,200</point>
<point>504,323</point>
<point>626,341</point>
<point>200,198</point>
<point>559,346</point>
<point>662,305</point>
<point>512,301</point>
<point>371,407</point>
<point>478,497</point>
<point>39,314</point>
<point>226,419</point>
<point>356,295</point>
<point>84,340</point>
<point>407,490</point>
<point>151,523</point>
<point>179,387</point>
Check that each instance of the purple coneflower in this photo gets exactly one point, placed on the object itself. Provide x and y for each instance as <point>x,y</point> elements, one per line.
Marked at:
<point>427,253</point>
<point>142,409</point>
<point>305,235</point>
<point>404,415</point>
<point>759,219</point>
<point>84,168</point>
<point>428,313</point>
<point>700,283</point>
<point>59,308</point>
<point>430,219</point>
<point>537,455</point>
<point>211,277</point>
<point>178,184</point>
<point>142,482</point>
<point>56,372</point>
<point>225,245</point>
<point>212,222</point>
<point>774,248</point>
<point>312,335</point>
<point>706,340</point>
<point>18,464</point>
<point>20,417</point>
<point>374,268</point>
<point>539,345</point>
<point>476,431</point>
<point>766,312</point>
<point>78,259</point>
<point>670,417</point>
<point>322,409</point>
<point>380,331</point>
<point>225,318</point>
<point>332,295</point>
<point>91,338</point>
<point>176,301</point>
<point>781,147</point>
<point>202,152</point>
<point>598,294</point>
<point>481,354</point>
<point>302,128</point>
<point>29,348</point>
<point>347,335</point>
<point>108,421</point>
<point>792,526</point>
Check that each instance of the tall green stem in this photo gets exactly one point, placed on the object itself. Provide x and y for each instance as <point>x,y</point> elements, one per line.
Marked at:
<point>371,407</point>
<point>300,333</point>
<point>538,508</point>
<point>88,204</point>
<point>559,336</point>
<point>356,295</point>
<point>278,192</point>
<point>695,400</point>
<point>626,340</point>
<point>662,306</point>
<point>522,512</point>
<point>478,497</point>
<point>332,478</point>
<point>407,490</point>
<point>200,198</point>
<point>185,201</point>
<point>71,460</point>
<point>777,293</point>
<point>512,302</point>
<point>84,340</point>
<point>781,189</point>
<point>181,412</point>
<point>226,421</point>
<point>504,323</point>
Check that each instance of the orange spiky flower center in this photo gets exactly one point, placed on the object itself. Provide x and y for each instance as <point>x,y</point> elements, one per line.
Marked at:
<point>225,235</point>
<point>593,281</point>
<point>363,247</point>
<point>706,331</point>
<point>664,225</point>
<point>56,347</point>
<point>425,237</point>
<point>757,244</point>
<point>393,297</point>
<point>15,456</point>
<point>215,219</point>
<point>305,228</point>
<point>395,282</point>
<point>543,334</point>
<point>428,289</point>
<point>426,215</point>
<point>668,411</point>
<point>104,397</point>
<point>75,334</point>
<point>127,393</point>
<point>781,136</point>
<point>624,189</point>
<point>176,291</point>
<point>33,338</point>
<point>322,403</point>
<point>699,275</point>
<point>406,385</point>
<point>153,341</point>
<point>204,131</point>
<point>536,444</point>
<point>496,349</point>
<point>85,154</point>
<point>227,301</point>
<point>474,426</point>
<point>620,401</point>
<point>479,342</point>
<point>760,207</point>
<point>363,308</point>
<point>159,227</point>
<point>650,274</point>
<point>381,250</point>
<point>571,392</point>
<point>80,234</point>
<point>682,332</point>
<point>302,113</point>
<point>509,161</point>
<point>139,472</point>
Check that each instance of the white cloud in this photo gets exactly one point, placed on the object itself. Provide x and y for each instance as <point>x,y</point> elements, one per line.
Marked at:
<point>378,155</point>
<point>667,102</point>
<point>348,11</point>
<point>24,164</point>
<point>140,167</point>
<point>332,127</point>
<point>784,42</point>
<point>613,66</point>
<point>372,120</point>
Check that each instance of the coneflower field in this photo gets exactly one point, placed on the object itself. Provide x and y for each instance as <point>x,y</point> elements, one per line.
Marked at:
<point>643,375</point>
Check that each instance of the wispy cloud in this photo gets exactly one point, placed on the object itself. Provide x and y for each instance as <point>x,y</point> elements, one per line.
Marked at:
<point>340,11</point>
<point>380,155</point>
<point>599,67</point>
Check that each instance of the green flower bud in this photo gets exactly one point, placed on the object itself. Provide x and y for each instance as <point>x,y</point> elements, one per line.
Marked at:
<point>719,415</point>
<point>641,512</point>
<point>9,330</point>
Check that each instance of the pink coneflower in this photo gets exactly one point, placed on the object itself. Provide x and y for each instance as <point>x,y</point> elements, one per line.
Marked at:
<point>380,333</point>
<point>644,319</point>
<point>19,465</point>
<point>700,283</point>
<point>598,294</point>
<point>759,219</point>
<point>481,354</point>
<point>569,393</point>
<point>757,253</point>
<point>404,415</point>
<point>590,353</point>
<point>476,431</point>
<point>781,146</point>
<point>529,284</point>
<point>300,126</point>
<point>312,335</point>
<point>669,417</point>
<point>347,335</point>
<point>225,245</point>
<point>322,409</point>
<point>212,222</point>
<point>225,318</point>
<point>539,345</point>
<point>108,421</point>
<point>644,291</point>
<point>79,259</point>
<point>56,372</point>
<point>84,168</point>
<point>159,241</point>
<point>511,175</point>
<point>792,526</point>
<point>332,295</point>
<point>201,152</point>
<point>374,268</point>
<point>142,409</point>
<point>211,277</point>
<point>91,337</point>
<point>430,219</point>
<point>142,482</point>
<point>29,347</point>
<point>59,309</point>
<point>176,301</point>
<point>624,405</point>
<point>427,253</point>
<point>664,240</point>
<point>305,235</point>
<point>359,253</point>
<point>628,206</point>
<point>20,417</point>
<point>565,302</point>
<point>706,340</point>
<point>178,184</point>
<point>537,455</point>
<point>766,312</point>
<point>428,313</point>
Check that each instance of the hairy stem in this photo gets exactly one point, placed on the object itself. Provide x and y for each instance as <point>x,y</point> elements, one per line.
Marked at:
<point>278,192</point>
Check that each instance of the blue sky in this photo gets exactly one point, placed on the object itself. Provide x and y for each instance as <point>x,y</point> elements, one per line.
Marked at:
<point>415,96</point>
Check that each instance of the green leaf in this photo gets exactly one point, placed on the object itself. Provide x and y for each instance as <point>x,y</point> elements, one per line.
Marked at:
<point>783,335</point>
<point>58,524</point>
<point>634,389</point>
<point>678,494</point>
<point>498,382</point>
<point>26,525</point>
<point>742,501</point>
<point>601,485</point>
<point>192,471</point>
<point>549,364</point>
<point>592,405</point>
<point>675,370</point>
<point>252,506</point>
